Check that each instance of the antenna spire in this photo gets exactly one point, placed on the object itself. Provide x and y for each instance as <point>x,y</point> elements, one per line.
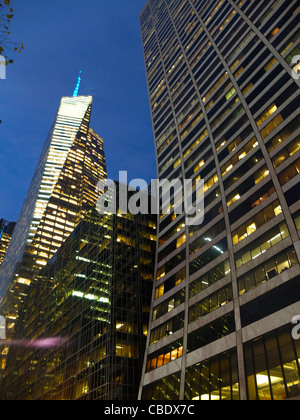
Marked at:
<point>78,85</point>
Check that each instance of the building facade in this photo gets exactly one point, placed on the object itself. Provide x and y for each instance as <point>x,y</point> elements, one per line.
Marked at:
<point>6,231</point>
<point>224,97</point>
<point>96,294</point>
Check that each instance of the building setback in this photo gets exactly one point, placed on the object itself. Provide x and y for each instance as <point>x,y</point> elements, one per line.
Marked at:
<point>6,231</point>
<point>225,108</point>
<point>96,294</point>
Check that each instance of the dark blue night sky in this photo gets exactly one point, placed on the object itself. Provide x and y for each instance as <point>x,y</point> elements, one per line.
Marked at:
<point>61,37</point>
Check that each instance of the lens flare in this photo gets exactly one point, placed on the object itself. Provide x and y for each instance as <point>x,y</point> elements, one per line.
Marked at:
<point>43,343</point>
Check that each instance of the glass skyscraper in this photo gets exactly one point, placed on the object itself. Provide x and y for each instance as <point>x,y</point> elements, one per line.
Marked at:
<point>6,231</point>
<point>224,97</point>
<point>95,293</point>
<point>63,189</point>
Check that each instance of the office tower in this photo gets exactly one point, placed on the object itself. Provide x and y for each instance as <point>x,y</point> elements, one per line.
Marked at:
<point>96,293</point>
<point>224,97</point>
<point>63,189</point>
<point>6,231</point>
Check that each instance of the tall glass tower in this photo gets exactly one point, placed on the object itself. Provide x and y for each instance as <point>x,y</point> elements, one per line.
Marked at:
<point>95,292</point>
<point>63,189</point>
<point>224,97</point>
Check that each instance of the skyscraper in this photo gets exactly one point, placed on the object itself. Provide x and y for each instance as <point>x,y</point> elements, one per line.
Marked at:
<point>6,231</point>
<point>63,189</point>
<point>96,293</point>
<point>224,99</point>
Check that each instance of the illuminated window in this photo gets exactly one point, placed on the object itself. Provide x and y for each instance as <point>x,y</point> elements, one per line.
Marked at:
<point>262,245</point>
<point>27,282</point>
<point>161,273</point>
<point>255,223</point>
<point>230,93</point>
<point>267,114</point>
<point>181,240</point>
<point>164,356</point>
<point>127,350</point>
<point>276,376</point>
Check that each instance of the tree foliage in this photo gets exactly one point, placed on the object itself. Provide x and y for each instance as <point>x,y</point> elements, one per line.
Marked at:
<point>6,44</point>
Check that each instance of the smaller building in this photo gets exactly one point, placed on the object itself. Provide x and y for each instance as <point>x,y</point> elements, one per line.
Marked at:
<point>95,294</point>
<point>6,231</point>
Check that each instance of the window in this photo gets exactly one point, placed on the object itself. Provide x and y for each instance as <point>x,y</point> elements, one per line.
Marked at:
<point>211,303</point>
<point>259,176</point>
<point>238,111</point>
<point>233,199</point>
<point>210,183</point>
<point>259,247</point>
<point>169,304</point>
<point>283,135</point>
<point>297,220</point>
<point>159,291</point>
<point>208,94</point>
<point>164,356</point>
<point>289,173</point>
<point>267,114</point>
<point>214,379</point>
<point>127,350</point>
<point>166,389</point>
<point>196,142</point>
<point>189,117</point>
<point>212,332</point>
<point>267,271</point>
<point>256,222</point>
<point>271,126</point>
<point>188,129</point>
<point>214,252</point>
<point>272,367</point>
<point>207,237</point>
<point>230,93</point>
<point>167,329</point>
<point>181,240</point>
<point>252,144</point>
<point>169,284</point>
<point>161,273</point>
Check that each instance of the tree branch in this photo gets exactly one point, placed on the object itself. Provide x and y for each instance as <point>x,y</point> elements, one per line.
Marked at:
<point>6,15</point>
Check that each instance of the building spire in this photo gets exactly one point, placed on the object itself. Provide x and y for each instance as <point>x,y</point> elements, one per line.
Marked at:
<point>78,84</point>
